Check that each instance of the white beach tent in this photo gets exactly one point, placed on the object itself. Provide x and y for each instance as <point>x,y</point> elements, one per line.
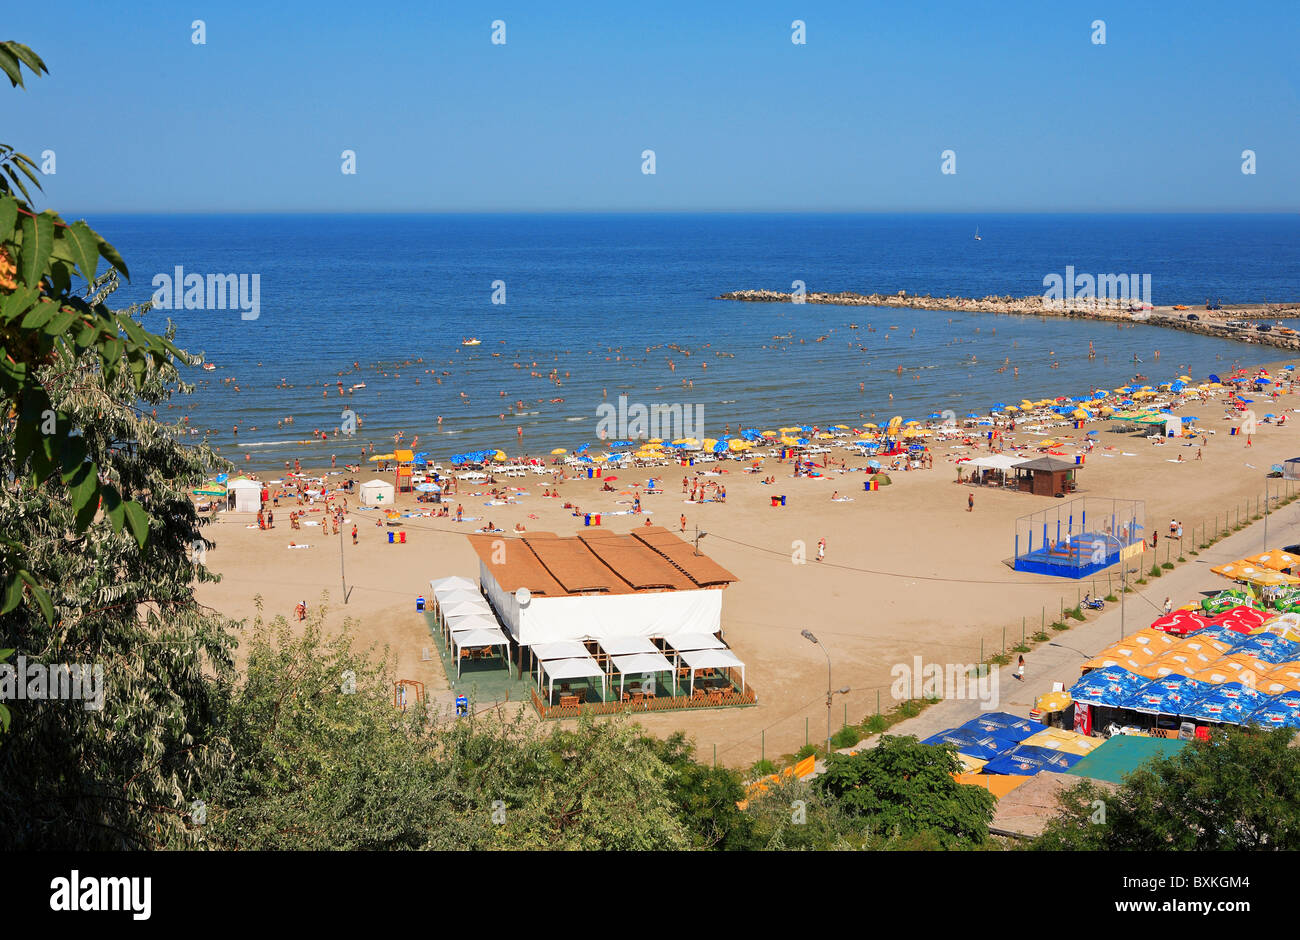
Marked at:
<point>645,664</point>
<point>572,669</point>
<point>453,583</point>
<point>479,637</point>
<point>245,494</point>
<point>376,493</point>
<point>561,649</point>
<point>712,659</point>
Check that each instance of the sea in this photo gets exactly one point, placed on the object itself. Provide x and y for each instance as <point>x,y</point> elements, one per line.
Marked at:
<point>572,311</point>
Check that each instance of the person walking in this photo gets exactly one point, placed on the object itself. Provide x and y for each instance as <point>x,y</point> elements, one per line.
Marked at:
<point>970,502</point>
<point>1020,668</point>
<point>821,548</point>
<point>683,522</point>
<point>354,533</point>
<point>1169,606</point>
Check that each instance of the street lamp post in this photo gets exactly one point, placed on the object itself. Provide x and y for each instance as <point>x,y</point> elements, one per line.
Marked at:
<point>830,694</point>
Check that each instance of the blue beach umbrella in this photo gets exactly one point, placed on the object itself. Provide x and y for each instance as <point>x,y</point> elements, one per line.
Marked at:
<point>1108,686</point>
<point>1166,696</point>
<point>982,746</point>
<point>1031,759</point>
<point>1281,711</point>
<point>1004,725</point>
<point>1229,703</point>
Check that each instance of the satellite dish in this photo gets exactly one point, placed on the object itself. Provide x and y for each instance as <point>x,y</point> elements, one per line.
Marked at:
<point>523,596</point>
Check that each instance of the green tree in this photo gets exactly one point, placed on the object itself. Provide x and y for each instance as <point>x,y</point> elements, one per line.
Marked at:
<point>49,312</point>
<point>706,798</point>
<point>1239,791</point>
<point>904,789</point>
<point>323,760</point>
<point>125,776</point>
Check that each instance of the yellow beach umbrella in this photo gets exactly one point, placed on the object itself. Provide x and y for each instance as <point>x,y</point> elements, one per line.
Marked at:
<point>558,451</point>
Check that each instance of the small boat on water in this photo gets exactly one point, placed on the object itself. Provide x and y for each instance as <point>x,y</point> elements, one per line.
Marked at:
<point>470,342</point>
<point>209,367</point>
<point>977,234</point>
<point>358,385</point>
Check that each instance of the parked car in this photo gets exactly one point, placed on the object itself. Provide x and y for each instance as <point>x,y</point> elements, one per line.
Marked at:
<point>1263,328</point>
<point>1192,316</point>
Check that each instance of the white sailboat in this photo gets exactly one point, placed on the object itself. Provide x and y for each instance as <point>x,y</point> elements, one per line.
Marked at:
<point>977,233</point>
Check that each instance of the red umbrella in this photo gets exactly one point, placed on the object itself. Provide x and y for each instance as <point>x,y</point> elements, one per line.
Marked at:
<point>1242,619</point>
<point>1180,622</point>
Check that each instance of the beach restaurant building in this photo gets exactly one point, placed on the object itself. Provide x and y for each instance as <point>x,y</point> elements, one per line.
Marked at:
<point>600,585</point>
<point>630,598</point>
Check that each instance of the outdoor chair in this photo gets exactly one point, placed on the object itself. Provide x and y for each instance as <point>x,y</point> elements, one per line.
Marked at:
<point>568,701</point>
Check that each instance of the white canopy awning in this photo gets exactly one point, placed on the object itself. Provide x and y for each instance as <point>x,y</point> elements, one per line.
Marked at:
<point>712,659</point>
<point>448,596</point>
<point>627,645</point>
<point>459,623</point>
<point>455,581</point>
<point>466,606</point>
<point>996,462</point>
<point>694,641</point>
<point>572,668</point>
<point>584,668</point>
<point>479,636</point>
<point>642,662</point>
<point>561,649</point>
<point>468,639</point>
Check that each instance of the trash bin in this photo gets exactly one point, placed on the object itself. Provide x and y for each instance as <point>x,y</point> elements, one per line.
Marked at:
<point>401,536</point>
<point>586,519</point>
<point>419,602</point>
<point>595,519</point>
<point>589,473</point>
<point>782,500</point>
<point>390,538</point>
<point>776,500</point>
<point>598,473</point>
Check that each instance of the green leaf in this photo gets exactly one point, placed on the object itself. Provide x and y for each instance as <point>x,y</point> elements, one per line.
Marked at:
<point>38,242</point>
<point>110,255</point>
<point>13,593</point>
<point>9,63</point>
<point>139,522</point>
<point>113,506</point>
<point>8,215</point>
<point>27,56</point>
<point>40,595</point>
<point>84,248</point>
<point>84,489</point>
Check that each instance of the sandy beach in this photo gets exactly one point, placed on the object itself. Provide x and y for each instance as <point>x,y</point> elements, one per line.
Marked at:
<point>908,570</point>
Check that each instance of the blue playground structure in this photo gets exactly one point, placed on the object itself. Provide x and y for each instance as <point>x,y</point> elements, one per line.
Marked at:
<point>1080,537</point>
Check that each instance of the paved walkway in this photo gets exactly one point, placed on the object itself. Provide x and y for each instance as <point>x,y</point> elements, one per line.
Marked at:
<point>1059,659</point>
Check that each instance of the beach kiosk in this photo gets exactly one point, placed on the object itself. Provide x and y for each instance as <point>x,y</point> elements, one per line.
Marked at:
<point>1045,476</point>
<point>244,495</point>
<point>377,493</point>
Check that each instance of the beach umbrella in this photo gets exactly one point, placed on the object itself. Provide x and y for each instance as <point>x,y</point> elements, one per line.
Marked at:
<point>881,479</point>
<point>558,451</point>
<point>210,489</point>
<point>428,488</point>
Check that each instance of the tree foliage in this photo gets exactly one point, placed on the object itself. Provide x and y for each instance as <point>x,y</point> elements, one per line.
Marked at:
<point>1240,791</point>
<point>904,789</point>
<point>49,312</point>
<point>126,776</point>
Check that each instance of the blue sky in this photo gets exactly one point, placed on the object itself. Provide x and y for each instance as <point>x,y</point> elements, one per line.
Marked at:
<point>739,117</point>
